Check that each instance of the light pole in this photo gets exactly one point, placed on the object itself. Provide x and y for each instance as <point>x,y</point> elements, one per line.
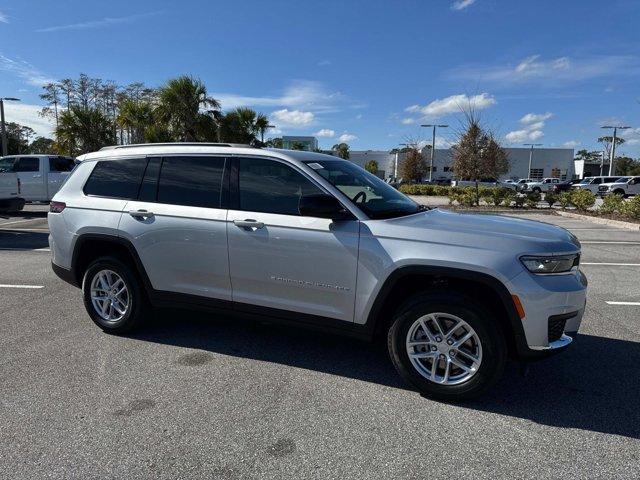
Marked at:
<point>3,129</point>
<point>433,146</point>
<point>531,155</point>
<point>613,144</point>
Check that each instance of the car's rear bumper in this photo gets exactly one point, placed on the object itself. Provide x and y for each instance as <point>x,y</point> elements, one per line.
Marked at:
<point>65,274</point>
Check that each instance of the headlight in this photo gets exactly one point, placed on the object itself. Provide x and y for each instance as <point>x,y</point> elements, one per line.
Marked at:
<point>553,264</point>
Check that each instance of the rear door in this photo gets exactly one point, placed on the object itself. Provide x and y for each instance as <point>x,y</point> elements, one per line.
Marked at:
<point>178,226</point>
<point>8,179</point>
<point>59,169</point>
<point>31,175</point>
<point>282,260</point>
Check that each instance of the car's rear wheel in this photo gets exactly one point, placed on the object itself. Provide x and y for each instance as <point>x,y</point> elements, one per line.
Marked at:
<point>113,296</point>
<point>447,345</point>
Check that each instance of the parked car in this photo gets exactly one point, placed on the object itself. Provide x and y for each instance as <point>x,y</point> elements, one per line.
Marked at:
<point>540,186</point>
<point>10,199</point>
<point>276,234</point>
<point>624,186</point>
<point>40,176</point>
<point>564,186</point>
<point>593,183</point>
<point>483,182</point>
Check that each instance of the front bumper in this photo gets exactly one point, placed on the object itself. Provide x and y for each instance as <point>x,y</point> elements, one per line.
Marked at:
<point>545,300</point>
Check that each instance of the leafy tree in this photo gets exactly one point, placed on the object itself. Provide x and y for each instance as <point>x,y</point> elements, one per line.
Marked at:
<point>627,166</point>
<point>83,130</point>
<point>135,118</point>
<point>298,146</point>
<point>607,141</point>
<point>179,104</point>
<point>587,156</point>
<point>51,95</point>
<point>274,142</point>
<point>17,138</point>
<point>371,166</point>
<point>242,125</point>
<point>341,150</point>
<point>43,145</point>
<point>413,167</point>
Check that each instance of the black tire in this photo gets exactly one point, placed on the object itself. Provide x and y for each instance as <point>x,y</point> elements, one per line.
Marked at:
<point>619,192</point>
<point>138,307</point>
<point>494,348</point>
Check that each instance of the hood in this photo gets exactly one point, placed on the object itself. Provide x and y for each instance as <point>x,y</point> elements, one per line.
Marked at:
<point>470,230</point>
<point>611,184</point>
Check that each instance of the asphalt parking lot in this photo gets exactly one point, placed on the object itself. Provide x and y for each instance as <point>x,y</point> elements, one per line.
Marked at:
<point>195,396</point>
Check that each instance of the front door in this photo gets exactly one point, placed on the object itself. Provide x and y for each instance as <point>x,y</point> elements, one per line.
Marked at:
<point>282,260</point>
<point>178,227</point>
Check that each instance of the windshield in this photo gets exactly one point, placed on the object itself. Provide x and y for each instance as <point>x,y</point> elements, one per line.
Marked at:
<point>586,180</point>
<point>622,180</point>
<point>370,194</point>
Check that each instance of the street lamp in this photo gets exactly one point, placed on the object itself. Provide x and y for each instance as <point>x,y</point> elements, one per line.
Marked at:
<point>3,129</point>
<point>433,145</point>
<point>613,144</point>
<point>531,155</point>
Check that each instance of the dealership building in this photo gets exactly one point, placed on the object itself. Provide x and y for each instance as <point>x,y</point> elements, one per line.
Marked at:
<point>545,162</point>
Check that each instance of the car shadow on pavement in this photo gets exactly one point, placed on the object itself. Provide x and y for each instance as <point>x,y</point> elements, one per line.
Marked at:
<point>23,215</point>
<point>22,240</point>
<point>594,385</point>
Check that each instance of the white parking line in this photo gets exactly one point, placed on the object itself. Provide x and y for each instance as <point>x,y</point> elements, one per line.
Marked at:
<point>603,242</point>
<point>21,286</point>
<point>612,264</point>
<point>624,303</point>
<point>25,249</point>
<point>21,221</point>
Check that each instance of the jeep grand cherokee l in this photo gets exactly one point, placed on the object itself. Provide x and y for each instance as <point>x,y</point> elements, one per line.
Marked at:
<point>314,240</point>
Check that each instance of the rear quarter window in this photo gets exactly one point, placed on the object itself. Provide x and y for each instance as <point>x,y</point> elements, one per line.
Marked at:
<point>116,178</point>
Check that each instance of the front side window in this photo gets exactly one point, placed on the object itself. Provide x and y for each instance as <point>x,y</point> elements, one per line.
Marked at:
<point>191,181</point>
<point>26,164</point>
<point>116,178</point>
<point>586,181</point>
<point>372,196</point>
<point>272,187</point>
<point>61,164</point>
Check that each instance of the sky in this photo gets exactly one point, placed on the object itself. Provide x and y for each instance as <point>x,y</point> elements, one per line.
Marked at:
<point>367,72</point>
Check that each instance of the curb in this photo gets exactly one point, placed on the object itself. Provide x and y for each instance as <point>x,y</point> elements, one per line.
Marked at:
<point>601,221</point>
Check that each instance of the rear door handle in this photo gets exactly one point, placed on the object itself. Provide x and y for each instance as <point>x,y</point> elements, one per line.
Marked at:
<point>248,224</point>
<point>140,214</point>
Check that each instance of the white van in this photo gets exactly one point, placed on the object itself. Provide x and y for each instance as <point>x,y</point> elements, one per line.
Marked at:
<point>39,176</point>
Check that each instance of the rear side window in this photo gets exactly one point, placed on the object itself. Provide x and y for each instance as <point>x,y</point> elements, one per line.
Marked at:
<point>191,181</point>
<point>116,178</point>
<point>272,187</point>
<point>61,164</point>
<point>27,165</point>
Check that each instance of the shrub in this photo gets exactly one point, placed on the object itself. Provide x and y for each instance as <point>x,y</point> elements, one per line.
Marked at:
<point>509,196</point>
<point>551,198</point>
<point>441,190</point>
<point>583,199</point>
<point>631,208</point>
<point>467,197</point>
<point>612,204</point>
<point>564,199</point>
<point>532,199</point>
<point>519,199</point>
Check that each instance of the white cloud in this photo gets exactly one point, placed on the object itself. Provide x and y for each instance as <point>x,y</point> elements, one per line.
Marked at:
<point>306,94</point>
<point>28,115</point>
<point>519,136</point>
<point>452,104</point>
<point>293,118</point>
<point>550,71</point>
<point>103,22</point>
<point>3,18</point>
<point>325,132</point>
<point>324,63</point>
<point>24,70</point>
<point>536,117</point>
<point>571,144</point>
<point>462,4</point>
<point>347,137</point>
<point>408,121</point>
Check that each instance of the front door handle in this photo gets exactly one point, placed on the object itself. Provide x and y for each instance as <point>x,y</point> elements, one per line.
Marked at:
<point>248,224</point>
<point>140,214</point>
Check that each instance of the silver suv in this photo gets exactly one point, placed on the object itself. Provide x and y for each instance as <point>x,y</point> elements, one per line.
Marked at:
<point>313,240</point>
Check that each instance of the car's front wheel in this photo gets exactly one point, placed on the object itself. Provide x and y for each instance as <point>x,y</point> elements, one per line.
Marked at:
<point>447,345</point>
<point>113,296</point>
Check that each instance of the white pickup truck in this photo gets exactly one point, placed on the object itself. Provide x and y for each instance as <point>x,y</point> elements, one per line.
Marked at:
<point>484,182</point>
<point>10,199</point>
<point>539,186</point>
<point>38,176</point>
<point>624,186</point>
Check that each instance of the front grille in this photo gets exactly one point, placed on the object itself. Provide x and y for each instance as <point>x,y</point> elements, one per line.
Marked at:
<point>557,324</point>
<point>603,189</point>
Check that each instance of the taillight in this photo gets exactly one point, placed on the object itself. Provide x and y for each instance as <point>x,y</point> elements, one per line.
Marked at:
<point>57,207</point>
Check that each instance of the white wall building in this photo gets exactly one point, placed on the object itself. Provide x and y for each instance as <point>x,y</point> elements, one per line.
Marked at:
<point>546,162</point>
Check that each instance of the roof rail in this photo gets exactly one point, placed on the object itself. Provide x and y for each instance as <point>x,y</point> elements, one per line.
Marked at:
<point>174,144</point>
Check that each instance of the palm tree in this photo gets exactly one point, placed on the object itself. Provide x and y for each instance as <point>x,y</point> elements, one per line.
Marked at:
<point>242,125</point>
<point>135,117</point>
<point>342,150</point>
<point>262,124</point>
<point>179,104</point>
<point>83,130</point>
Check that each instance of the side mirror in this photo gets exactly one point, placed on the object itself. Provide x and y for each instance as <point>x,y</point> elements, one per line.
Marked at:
<point>322,206</point>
